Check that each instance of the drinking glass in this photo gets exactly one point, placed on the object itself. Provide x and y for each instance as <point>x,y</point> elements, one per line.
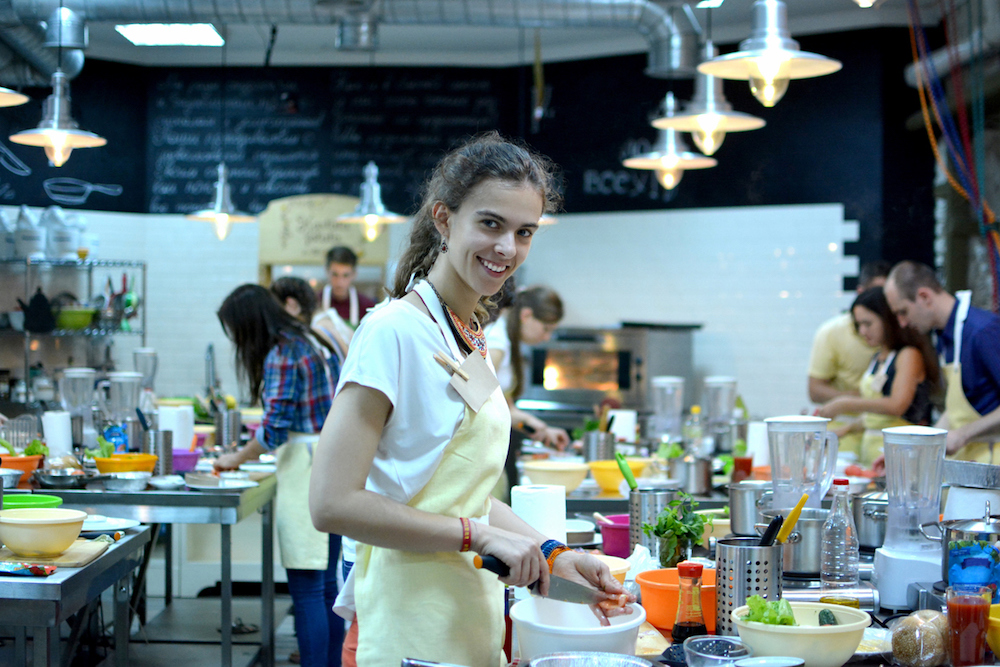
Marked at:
<point>968,617</point>
<point>715,651</point>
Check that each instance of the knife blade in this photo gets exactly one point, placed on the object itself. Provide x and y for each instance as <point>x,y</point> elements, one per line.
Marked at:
<point>560,589</point>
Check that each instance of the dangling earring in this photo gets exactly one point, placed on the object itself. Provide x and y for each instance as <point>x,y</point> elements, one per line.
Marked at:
<point>444,246</point>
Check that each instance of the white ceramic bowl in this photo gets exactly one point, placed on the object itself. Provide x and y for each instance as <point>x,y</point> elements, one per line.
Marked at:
<point>558,473</point>
<point>40,532</point>
<point>818,645</point>
<point>547,626</point>
<point>579,531</point>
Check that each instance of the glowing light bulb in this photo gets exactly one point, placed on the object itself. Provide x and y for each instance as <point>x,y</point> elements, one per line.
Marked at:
<point>769,79</point>
<point>708,137</point>
<point>58,148</point>
<point>669,178</point>
<point>669,162</point>
<point>371,228</point>
<point>865,4</point>
<point>223,225</point>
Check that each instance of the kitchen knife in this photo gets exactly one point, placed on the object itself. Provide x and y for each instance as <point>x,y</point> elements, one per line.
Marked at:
<point>559,588</point>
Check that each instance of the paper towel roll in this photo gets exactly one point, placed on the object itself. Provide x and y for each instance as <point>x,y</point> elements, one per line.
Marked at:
<point>178,420</point>
<point>58,432</point>
<point>543,507</point>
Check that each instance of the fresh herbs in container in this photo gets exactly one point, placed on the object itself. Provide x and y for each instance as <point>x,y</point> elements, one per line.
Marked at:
<point>679,527</point>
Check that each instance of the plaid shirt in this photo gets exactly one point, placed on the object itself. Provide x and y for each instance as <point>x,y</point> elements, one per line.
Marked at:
<point>297,392</point>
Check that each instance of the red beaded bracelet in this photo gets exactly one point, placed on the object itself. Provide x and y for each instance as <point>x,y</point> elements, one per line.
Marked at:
<point>466,534</point>
<point>551,560</point>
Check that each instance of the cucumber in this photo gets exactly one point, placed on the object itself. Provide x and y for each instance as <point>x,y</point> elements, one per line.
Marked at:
<point>826,617</point>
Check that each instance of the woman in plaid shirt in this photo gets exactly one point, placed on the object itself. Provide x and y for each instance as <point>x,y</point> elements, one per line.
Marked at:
<point>292,372</point>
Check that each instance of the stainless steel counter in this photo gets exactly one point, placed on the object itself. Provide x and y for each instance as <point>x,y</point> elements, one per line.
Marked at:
<point>41,604</point>
<point>225,509</point>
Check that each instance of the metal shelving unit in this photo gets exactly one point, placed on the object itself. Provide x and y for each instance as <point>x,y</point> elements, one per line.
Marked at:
<point>31,268</point>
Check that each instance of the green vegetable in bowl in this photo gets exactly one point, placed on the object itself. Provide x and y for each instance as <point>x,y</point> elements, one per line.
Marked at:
<point>35,448</point>
<point>9,447</point>
<point>104,449</point>
<point>671,451</point>
<point>826,617</point>
<point>774,612</point>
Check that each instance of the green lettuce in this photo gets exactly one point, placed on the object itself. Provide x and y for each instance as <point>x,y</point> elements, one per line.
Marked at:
<point>775,612</point>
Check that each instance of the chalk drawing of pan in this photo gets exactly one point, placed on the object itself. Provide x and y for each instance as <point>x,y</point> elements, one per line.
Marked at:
<point>73,191</point>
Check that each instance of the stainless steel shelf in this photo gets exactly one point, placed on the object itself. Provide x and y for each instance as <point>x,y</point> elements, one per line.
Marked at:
<point>75,263</point>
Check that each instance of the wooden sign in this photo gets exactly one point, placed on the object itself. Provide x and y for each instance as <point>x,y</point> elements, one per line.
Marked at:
<point>302,228</point>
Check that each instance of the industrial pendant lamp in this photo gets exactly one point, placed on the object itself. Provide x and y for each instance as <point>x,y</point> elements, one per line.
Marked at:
<point>221,211</point>
<point>57,132</point>
<point>370,211</point>
<point>670,156</point>
<point>769,58</point>
<point>11,98</point>
<point>708,116</point>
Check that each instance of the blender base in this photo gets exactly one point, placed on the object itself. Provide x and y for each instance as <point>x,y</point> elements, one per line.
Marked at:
<point>895,569</point>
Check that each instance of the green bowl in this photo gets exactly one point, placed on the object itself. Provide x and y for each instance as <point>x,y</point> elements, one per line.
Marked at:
<point>19,500</point>
<point>75,318</point>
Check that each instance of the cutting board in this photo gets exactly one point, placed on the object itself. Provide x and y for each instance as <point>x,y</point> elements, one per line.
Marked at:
<point>79,554</point>
<point>650,643</point>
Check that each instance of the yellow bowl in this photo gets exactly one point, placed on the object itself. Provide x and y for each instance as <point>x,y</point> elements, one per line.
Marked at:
<point>993,629</point>
<point>717,525</point>
<point>559,473</point>
<point>618,566</point>
<point>609,476</point>
<point>126,463</point>
<point>40,532</point>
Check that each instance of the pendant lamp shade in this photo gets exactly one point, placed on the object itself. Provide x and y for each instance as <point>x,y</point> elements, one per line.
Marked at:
<point>221,212</point>
<point>57,132</point>
<point>708,116</point>
<point>11,98</point>
<point>769,58</point>
<point>370,211</point>
<point>670,156</point>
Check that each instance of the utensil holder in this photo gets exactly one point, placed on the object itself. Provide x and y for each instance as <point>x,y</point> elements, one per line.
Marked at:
<point>644,505</point>
<point>227,429</point>
<point>161,443</point>
<point>598,446</point>
<point>134,435</point>
<point>743,569</point>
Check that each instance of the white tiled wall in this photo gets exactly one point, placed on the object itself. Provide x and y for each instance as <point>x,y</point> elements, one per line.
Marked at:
<point>759,279</point>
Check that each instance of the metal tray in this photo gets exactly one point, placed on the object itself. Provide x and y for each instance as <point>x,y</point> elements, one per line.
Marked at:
<point>970,473</point>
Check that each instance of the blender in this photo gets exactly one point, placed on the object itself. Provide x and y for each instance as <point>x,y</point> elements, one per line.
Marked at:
<point>145,363</point>
<point>123,391</point>
<point>76,390</point>
<point>803,459</point>
<point>914,467</point>
<point>718,400</point>
<point>668,408</point>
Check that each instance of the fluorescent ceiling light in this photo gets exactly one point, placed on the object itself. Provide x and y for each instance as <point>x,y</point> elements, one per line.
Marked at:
<point>709,4</point>
<point>171,34</point>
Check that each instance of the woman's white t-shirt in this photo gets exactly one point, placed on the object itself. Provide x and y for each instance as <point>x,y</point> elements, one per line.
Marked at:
<point>498,341</point>
<point>393,352</point>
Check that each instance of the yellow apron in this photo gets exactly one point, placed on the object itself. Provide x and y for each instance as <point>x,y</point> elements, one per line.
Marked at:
<point>302,547</point>
<point>438,606</point>
<point>871,387</point>
<point>956,406</point>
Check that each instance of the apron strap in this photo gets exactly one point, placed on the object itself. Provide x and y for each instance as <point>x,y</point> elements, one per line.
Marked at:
<point>352,297</point>
<point>964,301</point>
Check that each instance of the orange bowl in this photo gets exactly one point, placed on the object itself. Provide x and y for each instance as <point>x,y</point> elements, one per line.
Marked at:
<point>126,463</point>
<point>26,464</point>
<point>659,597</point>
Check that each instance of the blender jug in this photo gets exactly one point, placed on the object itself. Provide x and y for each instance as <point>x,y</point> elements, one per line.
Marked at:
<point>76,391</point>
<point>668,408</point>
<point>803,459</point>
<point>914,468</point>
<point>145,363</point>
<point>718,401</point>
<point>123,395</point>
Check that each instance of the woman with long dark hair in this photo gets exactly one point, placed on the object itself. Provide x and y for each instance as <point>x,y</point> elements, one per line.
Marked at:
<point>897,388</point>
<point>292,373</point>
<point>418,432</point>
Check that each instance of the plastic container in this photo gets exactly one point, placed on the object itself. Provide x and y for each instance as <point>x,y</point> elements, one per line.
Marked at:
<point>126,463</point>
<point>569,474</point>
<point>840,552</point>
<point>546,626</point>
<point>20,500</point>
<point>185,460</point>
<point>616,536</point>
<point>659,597</point>
<point>40,532</point>
<point>26,464</point>
<point>818,645</point>
<point>609,476</point>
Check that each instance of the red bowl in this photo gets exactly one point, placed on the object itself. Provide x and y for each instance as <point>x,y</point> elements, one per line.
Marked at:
<point>616,541</point>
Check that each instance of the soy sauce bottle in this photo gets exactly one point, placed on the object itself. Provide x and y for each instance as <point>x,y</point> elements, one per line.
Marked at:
<point>689,622</point>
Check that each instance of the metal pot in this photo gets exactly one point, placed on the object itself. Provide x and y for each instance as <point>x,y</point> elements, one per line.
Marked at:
<point>802,551</point>
<point>967,544</point>
<point>870,512</point>
<point>694,474</point>
<point>9,478</point>
<point>746,500</point>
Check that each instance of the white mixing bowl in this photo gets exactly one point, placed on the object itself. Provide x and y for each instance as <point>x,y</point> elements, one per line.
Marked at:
<point>547,626</point>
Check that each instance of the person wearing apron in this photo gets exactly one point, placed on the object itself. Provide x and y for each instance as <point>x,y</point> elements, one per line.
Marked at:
<point>896,388</point>
<point>293,375</point>
<point>417,435</point>
<point>339,293</point>
<point>970,357</point>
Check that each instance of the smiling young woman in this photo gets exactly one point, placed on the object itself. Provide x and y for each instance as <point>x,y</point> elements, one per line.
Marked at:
<point>418,432</point>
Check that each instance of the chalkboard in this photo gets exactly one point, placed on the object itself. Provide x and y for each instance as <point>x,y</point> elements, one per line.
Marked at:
<point>297,131</point>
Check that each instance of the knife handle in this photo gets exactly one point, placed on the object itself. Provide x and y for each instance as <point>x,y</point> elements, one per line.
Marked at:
<point>493,564</point>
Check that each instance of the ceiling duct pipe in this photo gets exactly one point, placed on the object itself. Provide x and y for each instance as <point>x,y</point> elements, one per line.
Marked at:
<point>28,43</point>
<point>673,53</point>
<point>15,72</point>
